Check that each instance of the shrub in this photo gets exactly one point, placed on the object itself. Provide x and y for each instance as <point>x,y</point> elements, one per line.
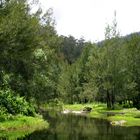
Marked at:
<point>56,104</point>
<point>127,104</point>
<point>118,107</point>
<point>11,103</point>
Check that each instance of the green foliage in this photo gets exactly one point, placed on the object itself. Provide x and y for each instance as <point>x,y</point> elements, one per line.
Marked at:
<point>38,64</point>
<point>10,103</point>
<point>29,49</point>
<point>55,104</point>
<point>107,71</point>
<point>127,104</point>
<point>71,48</point>
<point>118,106</point>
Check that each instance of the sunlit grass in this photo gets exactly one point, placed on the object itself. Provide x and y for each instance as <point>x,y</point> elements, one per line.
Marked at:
<point>21,126</point>
<point>94,106</point>
<point>99,110</point>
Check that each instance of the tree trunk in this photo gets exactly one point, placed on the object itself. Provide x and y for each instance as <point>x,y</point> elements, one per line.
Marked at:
<point>112,101</point>
<point>108,100</point>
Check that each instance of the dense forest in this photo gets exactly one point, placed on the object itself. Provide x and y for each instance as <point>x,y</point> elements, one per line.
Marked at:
<point>39,66</point>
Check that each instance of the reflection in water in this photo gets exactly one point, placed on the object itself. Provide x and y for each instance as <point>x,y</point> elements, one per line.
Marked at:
<point>70,127</point>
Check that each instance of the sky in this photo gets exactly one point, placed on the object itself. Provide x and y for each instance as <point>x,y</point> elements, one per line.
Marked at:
<point>88,18</point>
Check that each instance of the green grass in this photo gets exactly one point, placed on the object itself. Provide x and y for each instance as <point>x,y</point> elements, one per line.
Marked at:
<point>21,126</point>
<point>94,106</point>
<point>132,117</point>
<point>99,110</point>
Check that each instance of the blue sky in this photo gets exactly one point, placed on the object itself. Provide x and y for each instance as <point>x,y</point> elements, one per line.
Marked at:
<point>88,18</point>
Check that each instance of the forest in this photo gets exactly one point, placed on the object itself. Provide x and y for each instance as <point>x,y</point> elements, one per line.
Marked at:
<point>38,66</point>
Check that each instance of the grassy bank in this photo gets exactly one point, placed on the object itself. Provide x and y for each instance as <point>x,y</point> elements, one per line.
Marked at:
<point>131,115</point>
<point>20,126</point>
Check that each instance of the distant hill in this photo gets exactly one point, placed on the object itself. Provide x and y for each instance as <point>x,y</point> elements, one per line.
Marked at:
<point>122,38</point>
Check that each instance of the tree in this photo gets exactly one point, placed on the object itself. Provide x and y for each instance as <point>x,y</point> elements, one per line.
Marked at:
<point>28,51</point>
<point>18,39</point>
<point>133,59</point>
<point>71,48</point>
<point>111,56</point>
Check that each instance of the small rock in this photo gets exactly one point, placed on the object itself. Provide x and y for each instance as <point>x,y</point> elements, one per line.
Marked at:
<point>66,111</point>
<point>77,112</point>
<point>87,109</point>
<point>121,122</point>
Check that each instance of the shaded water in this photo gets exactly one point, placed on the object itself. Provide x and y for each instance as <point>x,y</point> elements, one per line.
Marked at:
<point>71,127</point>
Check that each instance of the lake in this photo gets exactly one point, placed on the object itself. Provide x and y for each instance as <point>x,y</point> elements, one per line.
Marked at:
<point>74,127</point>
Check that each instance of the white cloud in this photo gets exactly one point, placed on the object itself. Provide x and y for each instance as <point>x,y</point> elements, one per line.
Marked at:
<point>88,18</point>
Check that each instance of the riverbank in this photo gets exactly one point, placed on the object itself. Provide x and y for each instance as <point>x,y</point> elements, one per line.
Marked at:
<point>19,126</point>
<point>123,117</point>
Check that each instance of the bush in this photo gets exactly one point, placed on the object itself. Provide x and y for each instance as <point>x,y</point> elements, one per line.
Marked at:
<point>11,103</point>
<point>127,104</point>
<point>118,107</point>
<point>56,104</point>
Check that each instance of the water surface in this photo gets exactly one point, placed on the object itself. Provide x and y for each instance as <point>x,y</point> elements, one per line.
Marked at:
<point>71,127</point>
